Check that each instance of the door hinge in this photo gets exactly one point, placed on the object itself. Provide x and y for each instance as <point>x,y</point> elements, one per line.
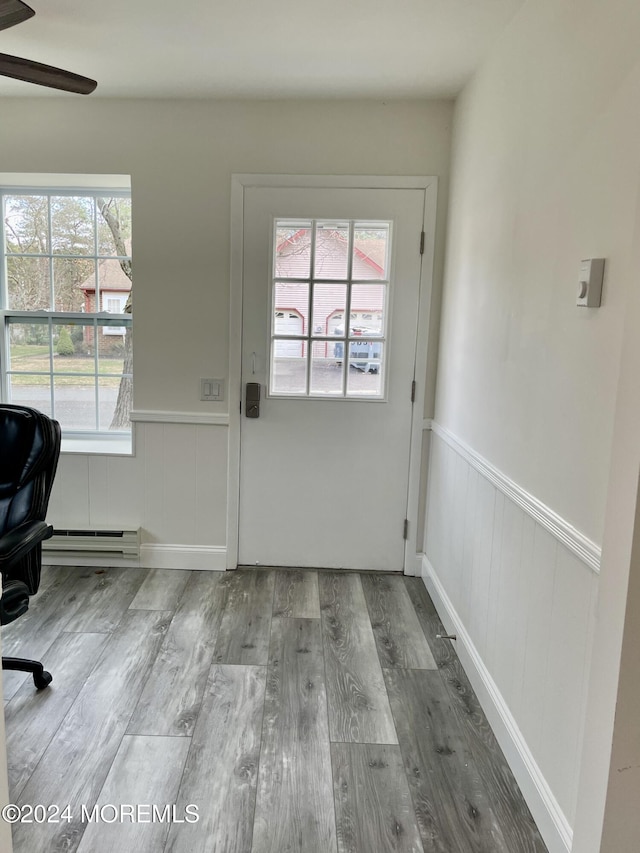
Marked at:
<point>413,391</point>
<point>405,529</point>
<point>422,243</point>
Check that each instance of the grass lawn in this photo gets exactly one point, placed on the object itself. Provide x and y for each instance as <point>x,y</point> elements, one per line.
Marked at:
<point>27,350</point>
<point>34,357</point>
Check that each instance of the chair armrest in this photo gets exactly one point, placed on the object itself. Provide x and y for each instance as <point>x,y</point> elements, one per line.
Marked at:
<point>14,602</point>
<point>17,543</point>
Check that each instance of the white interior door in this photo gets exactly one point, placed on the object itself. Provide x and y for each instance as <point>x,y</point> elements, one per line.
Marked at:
<point>330,308</point>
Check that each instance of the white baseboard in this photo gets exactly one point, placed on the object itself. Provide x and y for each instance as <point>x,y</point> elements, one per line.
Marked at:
<point>152,556</point>
<point>86,558</point>
<point>549,817</point>
<point>210,558</point>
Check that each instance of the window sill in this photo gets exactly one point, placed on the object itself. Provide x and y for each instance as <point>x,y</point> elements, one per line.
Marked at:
<point>98,445</point>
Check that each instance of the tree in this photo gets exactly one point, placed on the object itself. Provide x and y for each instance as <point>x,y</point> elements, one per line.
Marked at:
<point>28,233</point>
<point>109,210</point>
<point>65,344</point>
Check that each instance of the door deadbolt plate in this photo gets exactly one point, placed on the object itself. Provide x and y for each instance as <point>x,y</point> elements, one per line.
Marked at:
<point>252,400</point>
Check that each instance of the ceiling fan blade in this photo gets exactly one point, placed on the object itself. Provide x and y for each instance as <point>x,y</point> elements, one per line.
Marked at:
<point>14,12</point>
<point>44,75</point>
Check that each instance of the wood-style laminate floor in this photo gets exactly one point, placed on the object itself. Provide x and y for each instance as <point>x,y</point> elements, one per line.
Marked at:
<point>290,711</point>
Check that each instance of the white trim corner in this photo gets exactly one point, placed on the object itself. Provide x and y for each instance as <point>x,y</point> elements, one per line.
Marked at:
<point>414,566</point>
<point>425,292</point>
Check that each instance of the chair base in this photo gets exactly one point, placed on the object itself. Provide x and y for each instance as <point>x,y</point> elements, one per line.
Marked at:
<point>41,678</point>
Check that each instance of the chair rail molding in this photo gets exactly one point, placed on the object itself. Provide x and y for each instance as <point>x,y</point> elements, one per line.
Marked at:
<point>156,416</point>
<point>560,528</point>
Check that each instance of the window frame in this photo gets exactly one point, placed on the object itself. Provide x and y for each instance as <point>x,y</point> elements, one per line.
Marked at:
<point>122,301</point>
<point>118,442</point>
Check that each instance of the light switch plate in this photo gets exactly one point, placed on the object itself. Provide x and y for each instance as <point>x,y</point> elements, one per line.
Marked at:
<point>212,389</point>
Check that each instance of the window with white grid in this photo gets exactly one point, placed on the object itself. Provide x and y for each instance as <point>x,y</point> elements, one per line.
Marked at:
<point>65,288</point>
<point>330,298</point>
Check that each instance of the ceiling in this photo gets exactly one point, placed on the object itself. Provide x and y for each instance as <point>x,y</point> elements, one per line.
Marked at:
<point>260,48</point>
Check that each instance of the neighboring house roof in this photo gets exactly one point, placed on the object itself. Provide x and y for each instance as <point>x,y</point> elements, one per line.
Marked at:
<point>294,251</point>
<point>111,278</point>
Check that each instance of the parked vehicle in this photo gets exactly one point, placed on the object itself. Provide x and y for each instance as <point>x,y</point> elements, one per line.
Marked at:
<point>364,355</point>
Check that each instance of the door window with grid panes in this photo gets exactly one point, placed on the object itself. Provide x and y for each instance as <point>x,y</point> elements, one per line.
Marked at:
<point>330,304</point>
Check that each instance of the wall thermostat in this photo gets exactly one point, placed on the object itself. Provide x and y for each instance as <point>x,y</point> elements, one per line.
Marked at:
<point>590,283</point>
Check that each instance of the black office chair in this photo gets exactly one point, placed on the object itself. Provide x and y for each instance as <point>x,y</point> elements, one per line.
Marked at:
<point>29,451</point>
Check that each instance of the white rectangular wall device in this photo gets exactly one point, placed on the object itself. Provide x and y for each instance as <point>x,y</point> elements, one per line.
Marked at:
<point>590,283</point>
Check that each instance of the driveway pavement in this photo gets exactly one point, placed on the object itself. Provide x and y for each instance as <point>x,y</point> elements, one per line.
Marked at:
<point>75,407</point>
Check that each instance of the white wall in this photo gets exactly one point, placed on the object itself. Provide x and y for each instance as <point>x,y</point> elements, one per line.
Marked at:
<point>174,489</point>
<point>546,160</point>
<point>180,155</point>
<point>608,818</point>
<point>545,172</point>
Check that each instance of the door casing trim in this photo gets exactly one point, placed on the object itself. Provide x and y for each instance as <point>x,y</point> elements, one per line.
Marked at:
<point>239,182</point>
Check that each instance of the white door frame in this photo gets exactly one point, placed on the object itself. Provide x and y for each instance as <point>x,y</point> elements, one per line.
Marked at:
<point>238,184</point>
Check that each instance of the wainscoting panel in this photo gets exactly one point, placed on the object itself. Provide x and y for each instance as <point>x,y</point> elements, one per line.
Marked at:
<point>70,495</point>
<point>525,602</point>
<point>174,489</point>
<point>179,465</point>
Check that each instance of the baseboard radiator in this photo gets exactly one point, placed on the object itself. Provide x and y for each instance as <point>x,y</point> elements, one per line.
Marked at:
<point>125,543</point>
